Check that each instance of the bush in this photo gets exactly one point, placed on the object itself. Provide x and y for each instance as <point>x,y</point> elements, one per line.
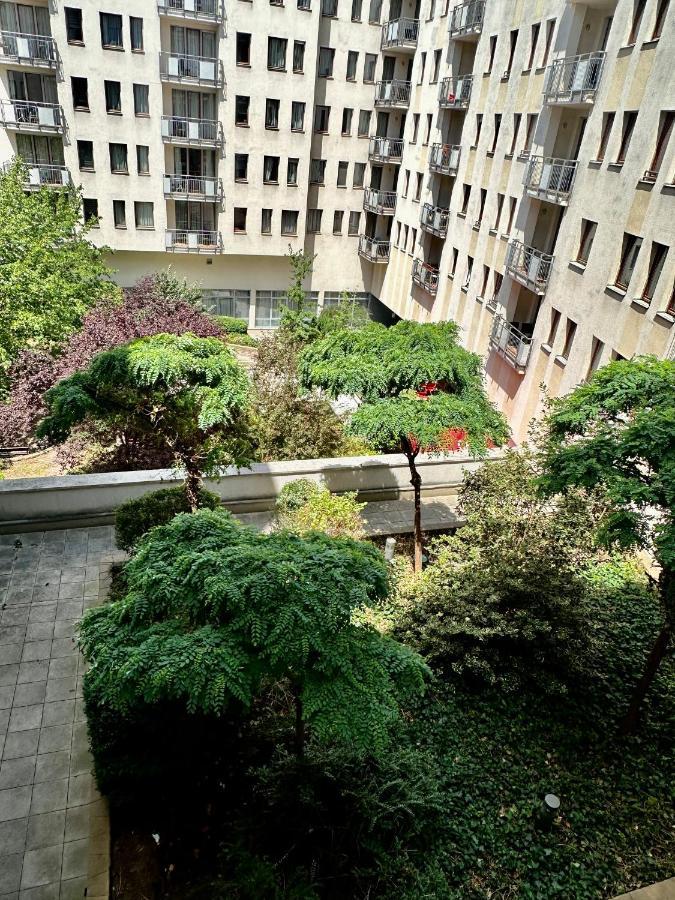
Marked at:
<point>136,517</point>
<point>232,325</point>
<point>294,495</point>
<point>243,340</point>
<point>304,506</point>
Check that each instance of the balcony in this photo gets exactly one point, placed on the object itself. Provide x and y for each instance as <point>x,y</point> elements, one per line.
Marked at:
<point>392,94</point>
<point>455,93</point>
<point>434,219</point>
<point>373,250</point>
<point>530,267</point>
<point>193,187</point>
<point>425,276</point>
<point>400,34</point>
<point>385,150</point>
<point>511,344</point>
<point>574,80</point>
<point>192,132</point>
<point>46,176</point>
<point>190,69</point>
<point>28,115</point>
<point>35,51</point>
<point>444,158</point>
<point>381,202</point>
<point>550,178</point>
<point>178,241</point>
<point>466,21</point>
<point>199,10</point>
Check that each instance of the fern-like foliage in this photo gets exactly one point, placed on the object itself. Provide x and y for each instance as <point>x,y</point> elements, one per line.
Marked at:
<point>214,610</point>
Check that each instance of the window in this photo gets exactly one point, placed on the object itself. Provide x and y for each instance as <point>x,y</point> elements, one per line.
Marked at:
<point>516,128</point>
<point>111,31</point>
<point>629,254</point>
<point>143,159</point>
<point>469,271</point>
<point>498,213</point>
<point>529,133</point>
<point>666,120</point>
<point>398,234</point>
<point>359,174</point>
<point>418,186</point>
<point>292,170</point>
<point>343,168</point>
<point>354,222</point>
<point>374,12</point>
<point>326,58</point>
<point>416,126</point>
<point>271,114</point>
<point>364,122</point>
<point>423,63</point>
<point>406,229</point>
<point>321,119</point>
<point>596,352</point>
<point>144,214</point>
<point>466,194</point>
<point>266,221</point>
<point>496,287</point>
<point>638,12</point>
<point>453,262</point>
<point>89,208</point>
<point>553,327</point>
<point>588,228</point>
<point>329,8</point>
<point>533,45</point>
<point>495,136</point>
<point>289,221</point>
<point>243,49</point>
<point>356,10</point>
<point>118,158</point>
<point>297,116</point>
<point>657,257</point>
<point>298,56</point>
<point>352,64</point>
<point>241,106</point>
<point>74,34</point>
<point>113,97</point>
<point>317,171</point>
<point>337,221</point>
<point>660,18</point>
<point>550,28</point>
<point>119,214</point>
<point>481,207</point>
<point>513,40</point>
<point>437,67</point>
<point>670,308</point>
<point>314,221</point>
<point>427,133</point>
<point>347,120</point>
<point>271,170</point>
<point>85,155</point>
<point>240,219</point>
<point>491,56</point>
<point>626,134</point>
<point>80,90</point>
<point>136,33</point>
<point>607,122</point>
<point>486,277</point>
<point>268,305</point>
<point>369,68</point>
<point>513,202</point>
<point>224,302</point>
<point>406,182</point>
<point>241,166</point>
<point>570,331</point>
<point>479,126</point>
<point>276,53</point>
<point>141,100</point>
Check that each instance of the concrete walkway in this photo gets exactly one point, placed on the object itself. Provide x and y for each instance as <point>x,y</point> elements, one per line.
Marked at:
<point>54,832</point>
<point>664,890</point>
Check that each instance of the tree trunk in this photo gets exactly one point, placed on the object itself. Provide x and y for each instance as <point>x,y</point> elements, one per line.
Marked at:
<point>299,725</point>
<point>416,482</point>
<point>193,482</point>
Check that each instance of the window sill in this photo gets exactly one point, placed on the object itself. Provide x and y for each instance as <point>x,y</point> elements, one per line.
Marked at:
<point>646,184</point>
<point>539,70</point>
<point>615,166</point>
<point>291,184</point>
<point>239,232</point>
<point>86,169</point>
<point>652,42</point>
<point>81,109</point>
<point>475,226</point>
<point>120,227</point>
<point>490,153</point>
<point>114,112</point>
<point>504,237</point>
<point>547,348</point>
<point>487,73</point>
<point>118,172</point>
<point>464,289</point>
<point>110,47</point>
<point>241,180</point>
<point>577,266</point>
<point>276,69</point>
<point>508,156</point>
<point>526,71</point>
<point>615,291</point>
<point>523,155</point>
<point>138,51</point>
<point>273,183</point>
<point>451,276</point>
<point>76,43</point>
<point>243,65</point>
<point>297,130</point>
<point>289,233</point>
<point>480,300</point>
<point>461,215</point>
<point>561,360</point>
<point>241,125</point>
<point>626,47</point>
<point>492,231</point>
<point>666,317</point>
<point>145,228</point>
<point>141,115</point>
<point>640,303</point>
<point>595,163</point>
<point>271,127</point>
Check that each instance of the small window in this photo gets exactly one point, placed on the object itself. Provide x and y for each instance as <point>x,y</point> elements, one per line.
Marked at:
<point>317,171</point>
<point>513,203</point>
<point>491,55</point>
<point>352,64</point>
<point>297,116</point>
<point>143,159</point>
<point>453,261</point>
<point>553,327</point>
<point>437,67</point>
<point>516,128</point>
<point>570,331</point>
<point>638,12</point>
<point>276,53</point>
<point>374,12</point>
<point>89,208</point>
<point>534,37</point>
<point>119,163</point>
<point>466,194</point>
<point>359,174</point>
<point>314,221</point>
<point>629,253</point>
<point>498,212</point>
<point>347,120</point>
<point>660,18</point>
<point>113,98</point>
<point>271,170</point>
<point>427,134</point>
<point>241,166</point>
<point>329,8</point>
<point>418,186</point>
<point>513,40</point>
<point>80,90</point>
<point>550,28</point>
<point>289,221</point>
<point>588,228</point>
<point>243,49</point>
<point>144,215</point>
<point>266,221</point>
<point>529,133</point>
<point>241,107</point>
<point>607,122</point>
<point>354,222</point>
<point>141,100</point>
<point>486,278</point>
<point>343,168</point>
<point>481,207</point>
<point>356,10</point>
<point>666,120</point>
<point>321,119</point>
<point>298,56</point>
<point>495,134</point>
<point>272,114</point>
<point>136,33</point>
<point>469,272</point>
<point>111,31</point>
<point>292,170</point>
<point>364,122</point>
<point>337,221</point>
<point>326,58</point>
<point>423,64</point>
<point>85,155</point>
<point>596,353</point>
<point>416,128</point>
<point>369,68</point>
<point>629,119</point>
<point>74,34</point>
<point>657,257</point>
<point>496,287</point>
<point>479,128</point>
<point>119,214</point>
<point>240,219</point>
<point>406,182</point>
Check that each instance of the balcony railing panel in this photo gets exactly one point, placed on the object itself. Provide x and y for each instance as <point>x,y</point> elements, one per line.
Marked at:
<point>574,79</point>
<point>193,241</point>
<point>381,202</point>
<point>194,187</point>
<point>206,10</point>
<point>27,115</point>
<point>529,266</point>
<point>392,93</point>
<point>455,93</point>
<point>382,149</point>
<point>374,250</point>
<point>28,49</point>
<point>180,130</point>
<point>466,19</point>
<point>196,69</point>
<point>425,276</point>
<point>401,33</point>
<point>511,343</point>
<point>444,158</point>
<point>550,178</point>
<point>434,219</point>
<point>47,176</point>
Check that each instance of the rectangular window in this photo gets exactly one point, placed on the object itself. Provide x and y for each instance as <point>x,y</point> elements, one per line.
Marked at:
<point>298,56</point>
<point>374,12</point>
<point>111,31</point>
<point>141,100</point>
<point>638,12</point>
<point>241,106</point>
<point>533,45</point>
<point>550,28</point>
<point>317,171</point>
<point>144,214</point>
<point>529,133</point>
<point>329,8</point>
<point>364,122</point>
<point>453,262</point>
<point>89,208</point>
<point>437,67</point>
<point>352,64</point>
<point>495,137</point>
<point>660,18</point>
<point>240,219</point>
<point>416,126</point>
<point>666,120</point>
<point>118,159</point>
<point>143,159</point>
<point>136,33</point>
<point>119,214</point>
<point>243,49</point>
<point>321,119</point>
<point>85,155</point>
<point>570,331</point>
<point>516,128</point>
<point>356,10</point>
<point>513,202</point>
<point>343,168</point>
<point>496,287</point>
<point>266,221</point>
<point>657,257</point>
<point>113,97</point>
<point>272,114</point>
<point>486,277</point>
<point>347,120</point>
<point>406,182</point>
<point>326,59</point>
<point>359,174</point>
<point>513,40</point>
<point>271,170</point>
<point>268,304</point>
<point>292,170</point>
<point>276,53</point>
<point>481,207</point>
<point>629,119</point>
<point>297,116</point>
<point>427,133</point>
<point>498,213</point>
<point>241,166</point>
<point>607,122</point>
<point>469,271</point>
<point>80,91</point>
<point>314,221</point>
<point>289,221</point>
<point>491,55</point>
<point>369,68</point>
<point>479,126</point>
<point>629,254</point>
<point>337,221</point>
<point>423,63</point>
<point>588,228</point>
<point>553,327</point>
<point>74,34</point>
<point>596,353</point>
<point>227,302</point>
<point>354,222</point>
<point>466,194</point>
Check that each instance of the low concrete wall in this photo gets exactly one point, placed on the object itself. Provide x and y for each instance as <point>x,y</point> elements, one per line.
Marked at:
<point>30,503</point>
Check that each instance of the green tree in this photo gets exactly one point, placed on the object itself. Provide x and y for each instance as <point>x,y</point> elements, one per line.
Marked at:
<point>347,313</point>
<point>297,322</point>
<point>617,432</point>
<point>215,611</point>
<point>50,272</point>
<point>189,392</point>
<point>418,390</point>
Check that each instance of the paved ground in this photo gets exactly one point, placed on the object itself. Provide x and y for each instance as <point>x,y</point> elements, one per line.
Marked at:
<point>664,890</point>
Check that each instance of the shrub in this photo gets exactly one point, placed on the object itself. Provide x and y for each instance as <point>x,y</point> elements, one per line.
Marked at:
<point>242,340</point>
<point>232,325</point>
<point>294,495</point>
<point>308,507</point>
<point>136,517</point>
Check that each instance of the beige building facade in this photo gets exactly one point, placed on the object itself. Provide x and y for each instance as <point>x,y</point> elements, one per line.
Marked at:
<point>508,164</point>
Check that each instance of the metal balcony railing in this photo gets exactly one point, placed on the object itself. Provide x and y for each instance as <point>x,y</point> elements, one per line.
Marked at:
<point>574,79</point>
<point>381,202</point>
<point>194,69</point>
<point>434,219</point>
<point>529,266</point>
<point>388,150</point>
<point>183,241</point>
<point>511,343</point>
<point>444,158</point>
<point>426,276</point>
<point>392,93</point>
<point>46,176</point>
<point>27,115</point>
<point>466,20</point>
<point>400,33</point>
<point>28,49</point>
<point>374,250</point>
<point>203,10</point>
<point>200,132</point>
<point>193,187</point>
<point>550,178</point>
<point>455,93</point>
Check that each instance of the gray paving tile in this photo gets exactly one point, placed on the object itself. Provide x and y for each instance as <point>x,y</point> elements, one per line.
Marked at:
<point>53,766</point>
<point>49,796</point>
<point>21,743</point>
<point>42,867</point>
<point>4,720</point>
<point>16,773</point>
<point>63,647</point>
<point>8,674</point>
<point>16,615</point>
<point>10,872</point>
<point>29,693</point>
<point>35,670</point>
<point>11,653</point>
<point>42,612</point>
<point>36,650</point>
<point>40,631</point>
<point>58,712</point>
<point>12,634</point>
<point>63,666</point>
<point>13,835</point>
<point>55,737</point>
<point>6,695</point>
<point>61,688</point>
<point>69,610</point>
<point>46,829</point>
<point>24,718</point>
<point>15,802</point>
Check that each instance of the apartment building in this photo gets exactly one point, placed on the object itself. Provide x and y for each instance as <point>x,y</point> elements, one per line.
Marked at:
<point>504,163</point>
